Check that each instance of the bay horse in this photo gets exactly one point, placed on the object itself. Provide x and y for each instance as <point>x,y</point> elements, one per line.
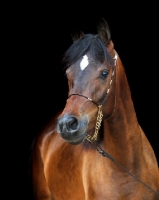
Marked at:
<point>94,149</point>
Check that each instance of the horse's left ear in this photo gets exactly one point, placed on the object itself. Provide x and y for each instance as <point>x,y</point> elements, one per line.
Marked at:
<point>104,31</point>
<point>76,33</point>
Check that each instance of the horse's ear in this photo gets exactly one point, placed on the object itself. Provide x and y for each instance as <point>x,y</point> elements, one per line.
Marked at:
<point>76,33</point>
<point>104,31</point>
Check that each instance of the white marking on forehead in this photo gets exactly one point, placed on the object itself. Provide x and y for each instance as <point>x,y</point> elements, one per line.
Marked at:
<point>84,63</point>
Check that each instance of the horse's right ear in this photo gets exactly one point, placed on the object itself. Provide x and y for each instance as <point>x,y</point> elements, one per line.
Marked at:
<point>76,33</point>
<point>104,31</point>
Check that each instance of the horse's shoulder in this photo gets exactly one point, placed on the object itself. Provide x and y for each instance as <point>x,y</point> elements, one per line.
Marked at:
<point>41,148</point>
<point>47,137</point>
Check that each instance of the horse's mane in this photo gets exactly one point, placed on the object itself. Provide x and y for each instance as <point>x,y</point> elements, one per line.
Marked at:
<point>91,43</point>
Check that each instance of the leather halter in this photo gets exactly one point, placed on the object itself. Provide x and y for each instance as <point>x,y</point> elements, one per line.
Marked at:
<point>100,114</point>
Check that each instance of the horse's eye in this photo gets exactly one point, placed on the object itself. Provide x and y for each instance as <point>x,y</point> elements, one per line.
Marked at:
<point>104,74</point>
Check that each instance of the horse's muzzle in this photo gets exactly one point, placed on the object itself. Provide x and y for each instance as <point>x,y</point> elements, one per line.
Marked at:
<point>72,129</point>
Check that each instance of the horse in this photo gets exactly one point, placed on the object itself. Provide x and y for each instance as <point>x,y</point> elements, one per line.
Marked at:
<point>94,148</point>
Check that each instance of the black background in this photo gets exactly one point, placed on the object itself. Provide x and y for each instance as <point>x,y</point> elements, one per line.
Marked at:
<point>35,88</point>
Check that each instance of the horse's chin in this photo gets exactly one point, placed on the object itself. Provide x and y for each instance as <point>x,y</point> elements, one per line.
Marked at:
<point>75,141</point>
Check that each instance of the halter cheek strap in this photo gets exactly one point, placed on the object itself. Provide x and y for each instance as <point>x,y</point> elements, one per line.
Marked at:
<point>100,114</point>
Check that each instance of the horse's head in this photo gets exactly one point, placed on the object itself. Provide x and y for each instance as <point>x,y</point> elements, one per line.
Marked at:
<point>90,70</point>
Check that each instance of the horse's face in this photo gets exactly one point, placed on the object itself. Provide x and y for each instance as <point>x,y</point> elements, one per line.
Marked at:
<point>86,79</point>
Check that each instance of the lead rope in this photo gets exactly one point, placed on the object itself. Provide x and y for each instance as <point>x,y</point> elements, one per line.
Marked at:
<point>105,154</point>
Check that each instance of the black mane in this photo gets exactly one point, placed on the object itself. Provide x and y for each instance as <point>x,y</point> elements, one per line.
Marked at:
<point>91,43</point>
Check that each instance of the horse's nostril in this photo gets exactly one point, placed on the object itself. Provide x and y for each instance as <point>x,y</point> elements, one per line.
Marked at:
<point>72,123</point>
<point>68,124</point>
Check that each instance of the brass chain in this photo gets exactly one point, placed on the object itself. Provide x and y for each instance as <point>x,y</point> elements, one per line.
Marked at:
<point>97,126</point>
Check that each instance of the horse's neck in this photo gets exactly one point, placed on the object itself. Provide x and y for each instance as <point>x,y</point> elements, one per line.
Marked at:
<point>122,134</point>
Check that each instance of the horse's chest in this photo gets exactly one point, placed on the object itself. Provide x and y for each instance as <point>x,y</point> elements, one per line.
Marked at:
<point>85,179</point>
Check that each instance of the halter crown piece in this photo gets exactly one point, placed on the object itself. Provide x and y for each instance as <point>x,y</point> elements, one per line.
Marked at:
<point>100,114</point>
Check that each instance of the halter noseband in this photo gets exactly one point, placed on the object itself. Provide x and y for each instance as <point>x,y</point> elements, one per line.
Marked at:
<point>100,114</point>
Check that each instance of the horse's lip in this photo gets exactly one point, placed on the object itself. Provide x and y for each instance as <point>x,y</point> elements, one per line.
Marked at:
<point>75,142</point>
<point>82,139</point>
